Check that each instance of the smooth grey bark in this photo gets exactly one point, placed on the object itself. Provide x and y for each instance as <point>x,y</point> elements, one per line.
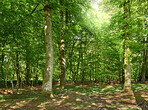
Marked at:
<point>47,81</point>
<point>127,53</point>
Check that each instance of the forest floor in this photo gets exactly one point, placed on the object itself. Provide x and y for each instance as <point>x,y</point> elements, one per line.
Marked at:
<point>81,97</point>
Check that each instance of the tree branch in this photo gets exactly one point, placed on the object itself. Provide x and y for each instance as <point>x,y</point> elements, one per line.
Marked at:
<point>34,10</point>
<point>19,22</point>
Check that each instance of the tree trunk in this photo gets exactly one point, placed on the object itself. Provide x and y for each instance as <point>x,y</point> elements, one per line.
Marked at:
<point>122,73</point>
<point>36,76</point>
<point>27,75</point>
<point>17,69</point>
<point>8,72</point>
<point>127,70</point>
<point>21,71</point>
<point>2,60</point>
<point>71,62</point>
<point>127,53</point>
<point>27,72</point>
<point>90,75</point>
<point>62,49</point>
<point>77,72</point>
<point>144,53</point>
<point>82,62</point>
<point>47,81</point>
<point>144,66</point>
<point>82,68</point>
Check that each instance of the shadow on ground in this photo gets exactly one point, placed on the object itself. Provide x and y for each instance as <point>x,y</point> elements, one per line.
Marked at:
<point>82,97</point>
<point>142,99</point>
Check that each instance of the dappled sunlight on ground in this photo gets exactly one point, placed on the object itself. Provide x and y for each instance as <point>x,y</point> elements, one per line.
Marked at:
<point>78,97</point>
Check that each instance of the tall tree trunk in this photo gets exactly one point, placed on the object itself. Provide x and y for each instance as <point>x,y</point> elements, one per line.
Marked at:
<point>143,72</point>
<point>90,74</point>
<point>77,72</point>
<point>82,68</point>
<point>17,69</point>
<point>8,72</point>
<point>122,73</point>
<point>82,61</point>
<point>47,81</point>
<point>144,66</point>
<point>66,18</point>
<point>21,71</point>
<point>36,76</point>
<point>27,68</point>
<point>2,60</point>
<point>127,53</point>
<point>62,49</point>
<point>71,61</point>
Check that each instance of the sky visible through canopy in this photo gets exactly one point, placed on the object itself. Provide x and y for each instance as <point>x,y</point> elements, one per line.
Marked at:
<point>95,3</point>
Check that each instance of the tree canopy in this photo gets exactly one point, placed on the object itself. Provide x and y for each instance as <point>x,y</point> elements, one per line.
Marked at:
<point>42,41</point>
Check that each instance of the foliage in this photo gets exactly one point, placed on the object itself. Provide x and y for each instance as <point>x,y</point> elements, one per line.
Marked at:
<point>93,40</point>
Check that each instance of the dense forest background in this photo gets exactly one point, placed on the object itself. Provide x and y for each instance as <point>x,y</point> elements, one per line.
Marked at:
<point>73,54</point>
<point>89,41</point>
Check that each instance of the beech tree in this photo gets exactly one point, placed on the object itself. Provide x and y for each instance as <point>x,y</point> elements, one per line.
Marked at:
<point>127,52</point>
<point>47,81</point>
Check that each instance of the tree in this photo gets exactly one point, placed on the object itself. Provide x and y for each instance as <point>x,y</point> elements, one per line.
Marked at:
<point>62,50</point>
<point>47,81</point>
<point>127,53</point>
<point>143,72</point>
<point>145,41</point>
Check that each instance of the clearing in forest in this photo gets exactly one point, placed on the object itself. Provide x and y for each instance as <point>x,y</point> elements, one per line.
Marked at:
<point>80,97</point>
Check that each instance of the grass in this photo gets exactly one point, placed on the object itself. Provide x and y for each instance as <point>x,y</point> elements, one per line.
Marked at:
<point>80,97</point>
